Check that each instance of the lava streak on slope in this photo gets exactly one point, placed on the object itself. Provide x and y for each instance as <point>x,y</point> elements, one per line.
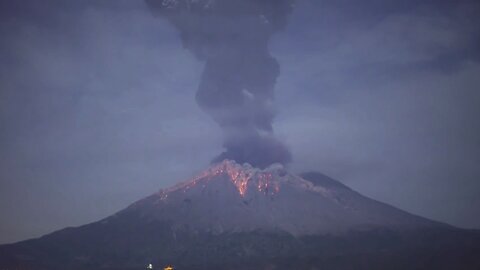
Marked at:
<point>241,176</point>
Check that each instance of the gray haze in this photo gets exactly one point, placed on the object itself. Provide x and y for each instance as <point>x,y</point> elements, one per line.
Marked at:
<point>98,109</point>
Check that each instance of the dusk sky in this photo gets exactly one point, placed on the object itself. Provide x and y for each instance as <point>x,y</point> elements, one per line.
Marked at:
<point>98,110</point>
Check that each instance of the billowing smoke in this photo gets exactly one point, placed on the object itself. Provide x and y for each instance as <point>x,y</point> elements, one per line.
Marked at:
<point>237,84</point>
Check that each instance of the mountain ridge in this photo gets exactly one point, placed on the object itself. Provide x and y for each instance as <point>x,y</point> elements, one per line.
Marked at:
<point>234,216</point>
<point>280,196</point>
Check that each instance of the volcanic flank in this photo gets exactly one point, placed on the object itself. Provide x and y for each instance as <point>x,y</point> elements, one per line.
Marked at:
<point>229,197</point>
<point>235,216</point>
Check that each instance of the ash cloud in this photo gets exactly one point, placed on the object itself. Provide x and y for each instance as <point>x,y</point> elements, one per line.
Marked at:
<point>238,81</point>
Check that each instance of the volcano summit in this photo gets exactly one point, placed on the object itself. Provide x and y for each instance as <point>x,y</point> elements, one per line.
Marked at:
<point>234,216</point>
<point>229,197</point>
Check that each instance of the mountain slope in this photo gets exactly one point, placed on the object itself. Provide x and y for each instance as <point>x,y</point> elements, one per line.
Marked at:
<point>230,197</point>
<point>237,217</point>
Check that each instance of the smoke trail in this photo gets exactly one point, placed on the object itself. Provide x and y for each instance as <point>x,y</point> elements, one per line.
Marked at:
<point>237,84</point>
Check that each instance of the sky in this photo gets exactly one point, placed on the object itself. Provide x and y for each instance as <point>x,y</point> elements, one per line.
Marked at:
<point>97,106</point>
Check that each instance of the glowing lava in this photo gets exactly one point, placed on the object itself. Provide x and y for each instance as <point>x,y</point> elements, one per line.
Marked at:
<point>241,176</point>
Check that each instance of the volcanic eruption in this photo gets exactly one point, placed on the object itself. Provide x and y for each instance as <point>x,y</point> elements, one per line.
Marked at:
<point>237,84</point>
<point>231,197</point>
<point>235,216</point>
<point>246,211</point>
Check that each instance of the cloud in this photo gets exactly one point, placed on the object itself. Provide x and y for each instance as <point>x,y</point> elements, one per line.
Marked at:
<point>383,114</point>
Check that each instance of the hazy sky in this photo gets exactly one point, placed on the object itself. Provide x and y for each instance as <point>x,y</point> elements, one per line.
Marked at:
<point>97,106</point>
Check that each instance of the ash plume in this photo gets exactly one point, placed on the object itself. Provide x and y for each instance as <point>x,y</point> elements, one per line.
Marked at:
<point>237,84</point>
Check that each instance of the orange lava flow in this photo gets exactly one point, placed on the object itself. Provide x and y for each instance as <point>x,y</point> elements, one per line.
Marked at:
<point>240,177</point>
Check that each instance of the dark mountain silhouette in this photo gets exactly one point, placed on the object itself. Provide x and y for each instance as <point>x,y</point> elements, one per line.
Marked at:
<point>237,217</point>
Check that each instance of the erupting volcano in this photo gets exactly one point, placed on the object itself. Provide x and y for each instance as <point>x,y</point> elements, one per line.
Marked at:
<point>230,197</point>
<point>247,211</point>
<point>235,216</point>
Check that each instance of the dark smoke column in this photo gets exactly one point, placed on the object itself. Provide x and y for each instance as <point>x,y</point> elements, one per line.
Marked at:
<point>237,85</point>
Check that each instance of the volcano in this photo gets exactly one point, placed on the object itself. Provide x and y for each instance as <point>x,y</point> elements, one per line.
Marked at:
<point>238,198</point>
<point>234,216</point>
